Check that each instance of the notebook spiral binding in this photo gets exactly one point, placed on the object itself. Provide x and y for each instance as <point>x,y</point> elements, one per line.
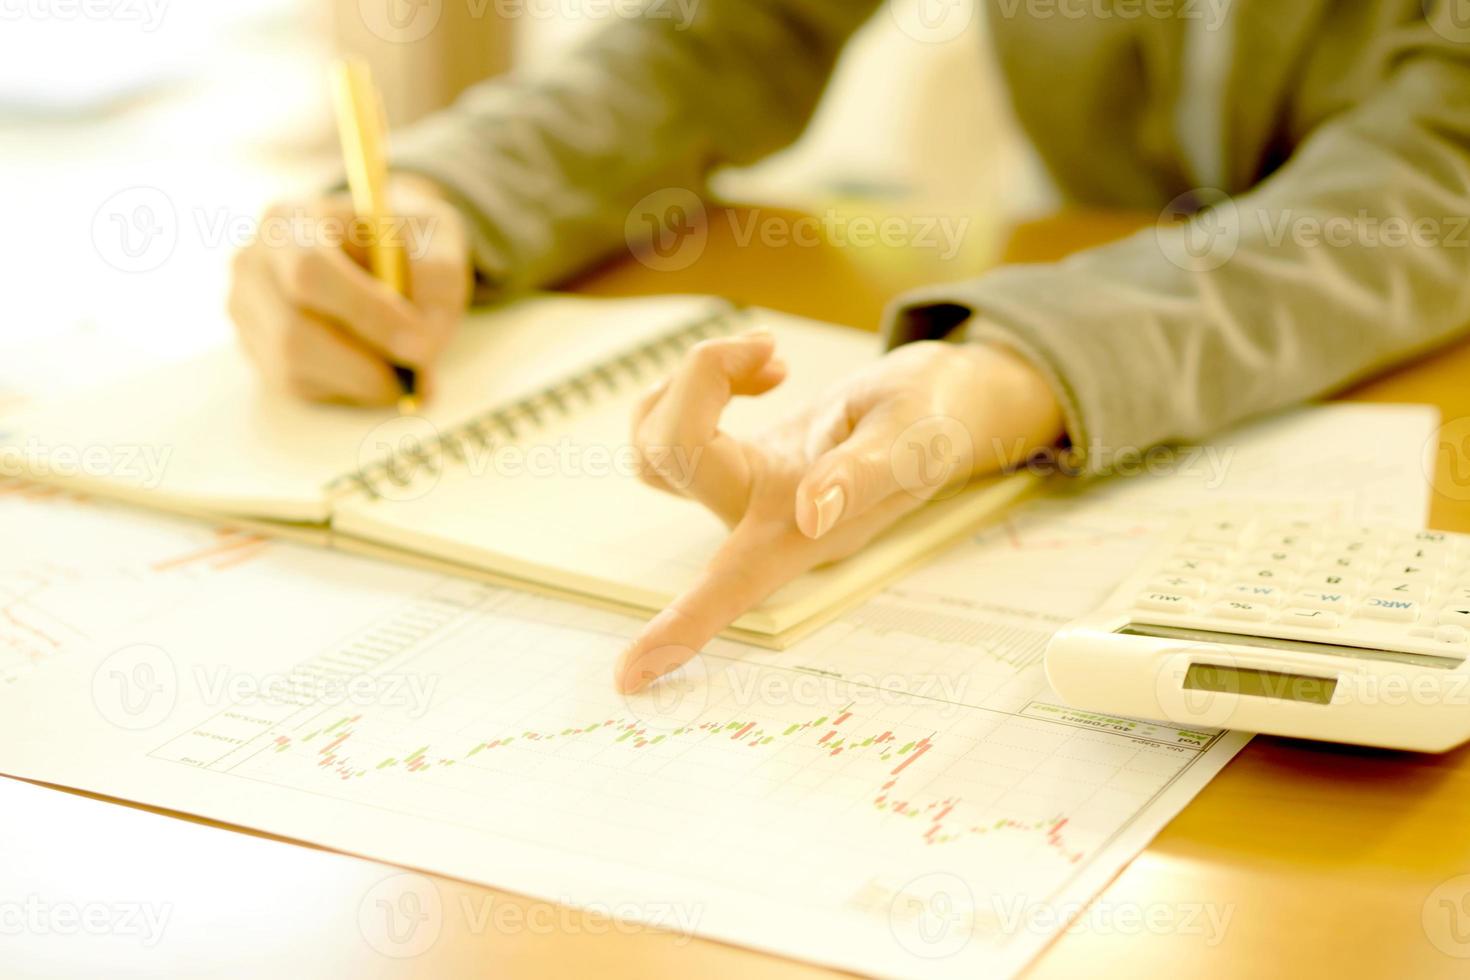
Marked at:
<point>509,422</point>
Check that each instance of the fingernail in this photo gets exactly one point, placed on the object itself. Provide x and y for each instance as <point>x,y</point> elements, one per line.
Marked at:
<point>632,680</point>
<point>829,508</point>
<point>756,333</point>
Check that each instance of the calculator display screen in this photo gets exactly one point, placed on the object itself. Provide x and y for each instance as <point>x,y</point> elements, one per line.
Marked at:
<point>1260,683</point>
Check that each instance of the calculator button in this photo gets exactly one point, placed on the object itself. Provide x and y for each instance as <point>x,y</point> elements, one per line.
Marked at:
<point>1212,551</point>
<point>1458,615</point>
<point>1289,541</point>
<point>1318,599</point>
<point>1259,592</point>
<point>1277,559</point>
<point>1241,609</point>
<point>1335,555</point>
<point>1411,571</point>
<point>1424,554</point>
<point>1264,574</point>
<point>1451,634</point>
<point>1330,581</point>
<point>1340,563</point>
<point>1404,589</point>
<point>1390,607</point>
<point>1180,585</point>
<point>1191,567</point>
<point>1311,618</point>
<point>1222,532</point>
<point>1164,601</point>
<point>1299,525</point>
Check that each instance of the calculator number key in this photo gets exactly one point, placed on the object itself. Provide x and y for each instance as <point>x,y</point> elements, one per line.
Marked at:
<point>1330,581</point>
<point>1286,560</point>
<point>1264,575</point>
<point>1220,532</point>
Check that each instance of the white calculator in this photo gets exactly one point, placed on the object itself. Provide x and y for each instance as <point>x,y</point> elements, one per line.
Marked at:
<point>1344,633</point>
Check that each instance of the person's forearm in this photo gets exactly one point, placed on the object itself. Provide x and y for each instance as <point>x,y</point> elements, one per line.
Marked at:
<point>549,167</point>
<point>1325,283</point>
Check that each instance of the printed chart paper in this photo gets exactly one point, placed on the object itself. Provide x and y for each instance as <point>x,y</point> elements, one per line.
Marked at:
<point>899,794</point>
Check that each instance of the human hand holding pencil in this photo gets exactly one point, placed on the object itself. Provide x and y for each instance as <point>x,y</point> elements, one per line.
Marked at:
<point>353,298</point>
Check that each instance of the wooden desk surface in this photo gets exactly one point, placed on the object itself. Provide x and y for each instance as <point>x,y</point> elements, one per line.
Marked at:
<point>1319,860</point>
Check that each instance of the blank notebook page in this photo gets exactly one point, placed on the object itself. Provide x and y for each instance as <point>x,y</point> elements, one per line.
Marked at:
<point>576,521</point>
<point>233,447</point>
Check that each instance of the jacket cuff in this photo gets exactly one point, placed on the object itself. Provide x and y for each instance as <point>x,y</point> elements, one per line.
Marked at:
<point>1083,367</point>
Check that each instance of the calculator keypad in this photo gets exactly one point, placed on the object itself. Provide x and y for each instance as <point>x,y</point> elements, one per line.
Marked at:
<point>1302,579</point>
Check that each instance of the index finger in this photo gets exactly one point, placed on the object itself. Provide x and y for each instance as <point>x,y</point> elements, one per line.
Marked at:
<point>747,568</point>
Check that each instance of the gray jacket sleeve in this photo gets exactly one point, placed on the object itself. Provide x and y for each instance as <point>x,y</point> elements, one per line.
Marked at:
<point>549,167</point>
<point>1353,255</point>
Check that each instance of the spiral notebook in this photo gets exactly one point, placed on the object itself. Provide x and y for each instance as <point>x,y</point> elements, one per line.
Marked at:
<point>520,469</point>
